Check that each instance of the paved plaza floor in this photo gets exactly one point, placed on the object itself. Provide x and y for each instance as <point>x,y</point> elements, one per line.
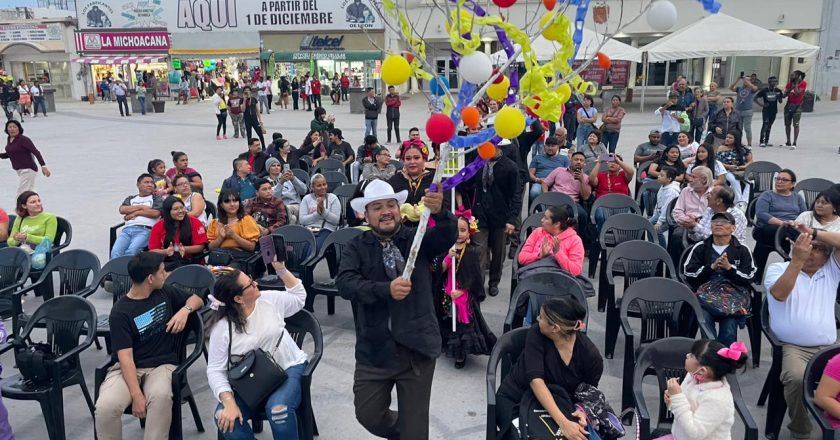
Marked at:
<point>95,156</point>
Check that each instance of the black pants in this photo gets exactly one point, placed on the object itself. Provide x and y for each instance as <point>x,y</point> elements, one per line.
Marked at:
<point>392,116</point>
<point>122,102</point>
<point>222,125</point>
<point>372,397</point>
<point>507,409</point>
<point>491,240</point>
<point>270,98</point>
<point>295,98</point>
<point>767,119</point>
<point>255,126</point>
<point>765,243</point>
<point>344,93</point>
<point>675,244</point>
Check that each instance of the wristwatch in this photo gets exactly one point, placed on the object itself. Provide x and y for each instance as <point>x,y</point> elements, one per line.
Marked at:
<point>814,234</point>
<point>189,309</point>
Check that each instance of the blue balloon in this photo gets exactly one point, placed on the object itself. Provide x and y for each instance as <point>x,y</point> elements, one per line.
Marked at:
<point>435,87</point>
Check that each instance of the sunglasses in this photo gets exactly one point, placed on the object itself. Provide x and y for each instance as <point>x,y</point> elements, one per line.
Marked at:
<point>230,200</point>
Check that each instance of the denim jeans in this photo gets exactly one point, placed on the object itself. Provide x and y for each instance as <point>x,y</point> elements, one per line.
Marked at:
<point>661,234</point>
<point>727,331</point>
<point>281,410</point>
<point>142,100</point>
<point>370,126</point>
<point>536,190</point>
<point>264,104</point>
<point>131,241</point>
<point>610,139</point>
<point>39,102</point>
<point>583,131</point>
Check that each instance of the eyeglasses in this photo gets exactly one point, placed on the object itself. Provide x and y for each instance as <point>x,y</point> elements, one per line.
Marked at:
<point>230,201</point>
<point>782,179</point>
<point>187,183</point>
<point>721,222</point>
<point>251,283</point>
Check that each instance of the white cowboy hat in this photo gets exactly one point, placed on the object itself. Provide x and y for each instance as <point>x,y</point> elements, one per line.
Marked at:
<point>377,190</point>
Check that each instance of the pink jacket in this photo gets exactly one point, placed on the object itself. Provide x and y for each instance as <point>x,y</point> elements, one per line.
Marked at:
<point>569,257</point>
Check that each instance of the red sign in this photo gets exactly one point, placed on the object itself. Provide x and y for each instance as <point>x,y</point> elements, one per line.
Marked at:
<point>616,76</point>
<point>123,41</point>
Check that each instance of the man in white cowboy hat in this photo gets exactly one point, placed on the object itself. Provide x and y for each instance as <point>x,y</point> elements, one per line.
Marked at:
<point>397,334</point>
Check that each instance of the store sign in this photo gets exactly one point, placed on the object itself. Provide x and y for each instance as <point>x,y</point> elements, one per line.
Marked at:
<point>317,42</point>
<point>30,32</point>
<point>123,41</point>
<point>122,14</point>
<point>304,56</point>
<point>616,76</point>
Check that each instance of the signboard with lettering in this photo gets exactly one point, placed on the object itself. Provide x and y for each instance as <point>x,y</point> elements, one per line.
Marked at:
<point>230,15</point>
<point>10,33</point>
<point>128,41</point>
<point>616,76</point>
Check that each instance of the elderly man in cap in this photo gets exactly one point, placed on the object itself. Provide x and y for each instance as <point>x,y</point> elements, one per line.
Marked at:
<point>397,334</point>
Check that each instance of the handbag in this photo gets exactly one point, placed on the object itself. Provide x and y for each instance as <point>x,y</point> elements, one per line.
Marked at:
<point>722,298</point>
<point>39,255</point>
<point>256,375</point>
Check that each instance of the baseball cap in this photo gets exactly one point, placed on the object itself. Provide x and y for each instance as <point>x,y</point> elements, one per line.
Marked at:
<point>654,131</point>
<point>724,215</point>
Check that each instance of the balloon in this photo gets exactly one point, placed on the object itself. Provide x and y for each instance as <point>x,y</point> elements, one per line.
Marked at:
<point>487,151</point>
<point>471,117</point>
<point>553,32</point>
<point>435,87</point>
<point>476,67</point>
<point>604,61</point>
<point>439,128</point>
<point>395,70</point>
<point>564,92</point>
<point>409,57</point>
<point>504,3</point>
<point>509,123</point>
<point>549,4</point>
<point>662,15</point>
<point>499,91</point>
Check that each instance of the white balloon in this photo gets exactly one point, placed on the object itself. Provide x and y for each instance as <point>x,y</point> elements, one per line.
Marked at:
<point>476,67</point>
<point>662,16</point>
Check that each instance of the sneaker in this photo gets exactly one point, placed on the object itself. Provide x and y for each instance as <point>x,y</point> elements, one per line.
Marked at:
<point>787,144</point>
<point>218,138</point>
<point>762,145</point>
<point>224,136</point>
<point>793,147</point>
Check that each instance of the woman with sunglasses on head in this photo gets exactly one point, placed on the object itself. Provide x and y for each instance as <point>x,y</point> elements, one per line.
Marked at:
<point>178,236</point>
<point>246,319</point>
<point>233,231</point>
<point>773,210</point>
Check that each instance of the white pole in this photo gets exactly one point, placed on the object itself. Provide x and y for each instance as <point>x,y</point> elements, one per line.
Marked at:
<point>452,271</point>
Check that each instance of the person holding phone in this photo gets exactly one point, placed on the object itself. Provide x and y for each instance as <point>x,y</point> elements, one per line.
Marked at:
<point>671,114</point>
<point>744,104</point>
<point>614,180</point>
<point>795,94</point>
<point>573,182</point>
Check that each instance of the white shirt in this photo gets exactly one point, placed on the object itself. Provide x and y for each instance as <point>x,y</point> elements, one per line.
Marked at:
<point>141,220</point>
<point>703,411</point>
<point>35,90</point>
<point>266,86</point>
<point>807,218</point>
<point>720,170</point>
<point>188,206</point>
<point>806,318</point>
<point>670,124</point>
<point>263,328</point>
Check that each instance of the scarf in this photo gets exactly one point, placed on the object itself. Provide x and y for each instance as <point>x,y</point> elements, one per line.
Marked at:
<point>391,256</point>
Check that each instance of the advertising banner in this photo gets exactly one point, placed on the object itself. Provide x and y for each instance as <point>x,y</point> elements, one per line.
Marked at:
<point>128,41</point>
<point>229,15</point>
<point>10,33</point>
<point>616,76</point>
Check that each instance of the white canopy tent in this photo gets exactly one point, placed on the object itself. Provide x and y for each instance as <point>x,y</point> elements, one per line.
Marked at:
<point>720,35</point>
<point>545,49</point>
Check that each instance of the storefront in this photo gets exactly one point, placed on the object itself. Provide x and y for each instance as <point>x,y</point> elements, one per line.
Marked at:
<point>38,50</point>
<point>295,54</point>
<point>232,54</point>
<point>128,54</point>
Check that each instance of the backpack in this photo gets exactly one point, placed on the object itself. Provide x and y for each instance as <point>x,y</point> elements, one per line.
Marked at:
<point>35,362</point>
<point>534,421</point>
<point>599,414</point>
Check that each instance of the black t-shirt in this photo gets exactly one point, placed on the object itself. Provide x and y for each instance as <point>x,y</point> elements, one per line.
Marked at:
<point>343,149</point>
<point>141,326</point>
<point>771,97</point>
<point>540,359</point>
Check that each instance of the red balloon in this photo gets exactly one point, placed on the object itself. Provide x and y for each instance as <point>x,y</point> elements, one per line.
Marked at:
<point>439,128</point>
<point>409,57</point>
<point>604,60</point>
<point>504,3</point>
<point>549,4</point>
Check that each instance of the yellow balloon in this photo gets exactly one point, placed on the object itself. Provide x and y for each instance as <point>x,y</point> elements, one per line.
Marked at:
<point>553,32</point>
<point>395,70</point>
<point>499,91</point>
<point>510,122</point>
<point>564,92</point>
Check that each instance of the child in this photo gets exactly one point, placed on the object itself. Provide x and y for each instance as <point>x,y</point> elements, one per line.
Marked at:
<point>163,186</point>
<point>471,336</point>
<point>703,407</point>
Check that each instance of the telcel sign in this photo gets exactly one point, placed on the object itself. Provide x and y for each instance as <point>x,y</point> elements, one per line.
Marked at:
<point>314,42</point>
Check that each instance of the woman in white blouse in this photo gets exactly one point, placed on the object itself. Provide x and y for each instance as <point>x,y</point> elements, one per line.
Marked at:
<point>824,213</point>
<point>320,211</point>
<point>249,319</point>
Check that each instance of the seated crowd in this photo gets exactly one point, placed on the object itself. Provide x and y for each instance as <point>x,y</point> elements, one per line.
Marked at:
<point>696,200</point>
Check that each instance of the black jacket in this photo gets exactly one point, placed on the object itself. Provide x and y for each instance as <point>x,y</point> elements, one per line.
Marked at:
<point>698,265</point>
<point>382,322</point>
<point>259,162</point>
<point>727,123</point>
<point>499,204</point>
<point>372,110</point>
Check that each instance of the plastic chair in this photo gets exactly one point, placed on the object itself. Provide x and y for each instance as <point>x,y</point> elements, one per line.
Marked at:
<point>665,359</point>
<point>397,164</point>
<point>633,260</point>
<point>299,325</point>
<point>506,352</point>
<point>194,279</point>
<point>14,271</point>
<point>652,190</point>
<point>514,266</point>
<point>530,223</point>
<point>759,175</point>
<point>301,247</point>
<point>813,374</point>
<point>63,237</point>
<point>539,287</point>
<point>610,205</point>
<point>116,271</point>
<point>302,175</point>
<point>65,319</point>
<point>336,240</point>
<point>661,303</point>
<point>334,179</point>
<point>181,391</point>
<point>641,174</point>
<point>618,228</point>
<point>811,188</point>
<point>344,193</point>
<point>552,198</point>
<point>74,267</point>
<point>327,165</point>
<point>210,210</point>
<point>750,213</point>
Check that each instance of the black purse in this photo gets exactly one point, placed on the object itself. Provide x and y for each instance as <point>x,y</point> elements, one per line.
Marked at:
<point>256,375</point>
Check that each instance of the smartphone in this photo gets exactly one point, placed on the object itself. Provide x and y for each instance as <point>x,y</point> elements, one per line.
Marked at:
<point>286,168</point>
<point>791,233</point>
<point>267,249</point>
<point>606,157</point>
<point>280,249</point>
<point>742,74</point>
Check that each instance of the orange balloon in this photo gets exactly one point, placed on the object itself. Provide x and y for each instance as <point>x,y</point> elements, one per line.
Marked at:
<point>604,61</point>
<point>471,117</point>
<point>487,151</point>
<point>549,4</point>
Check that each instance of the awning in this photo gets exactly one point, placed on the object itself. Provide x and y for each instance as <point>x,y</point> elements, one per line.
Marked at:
<point>121,59</point>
